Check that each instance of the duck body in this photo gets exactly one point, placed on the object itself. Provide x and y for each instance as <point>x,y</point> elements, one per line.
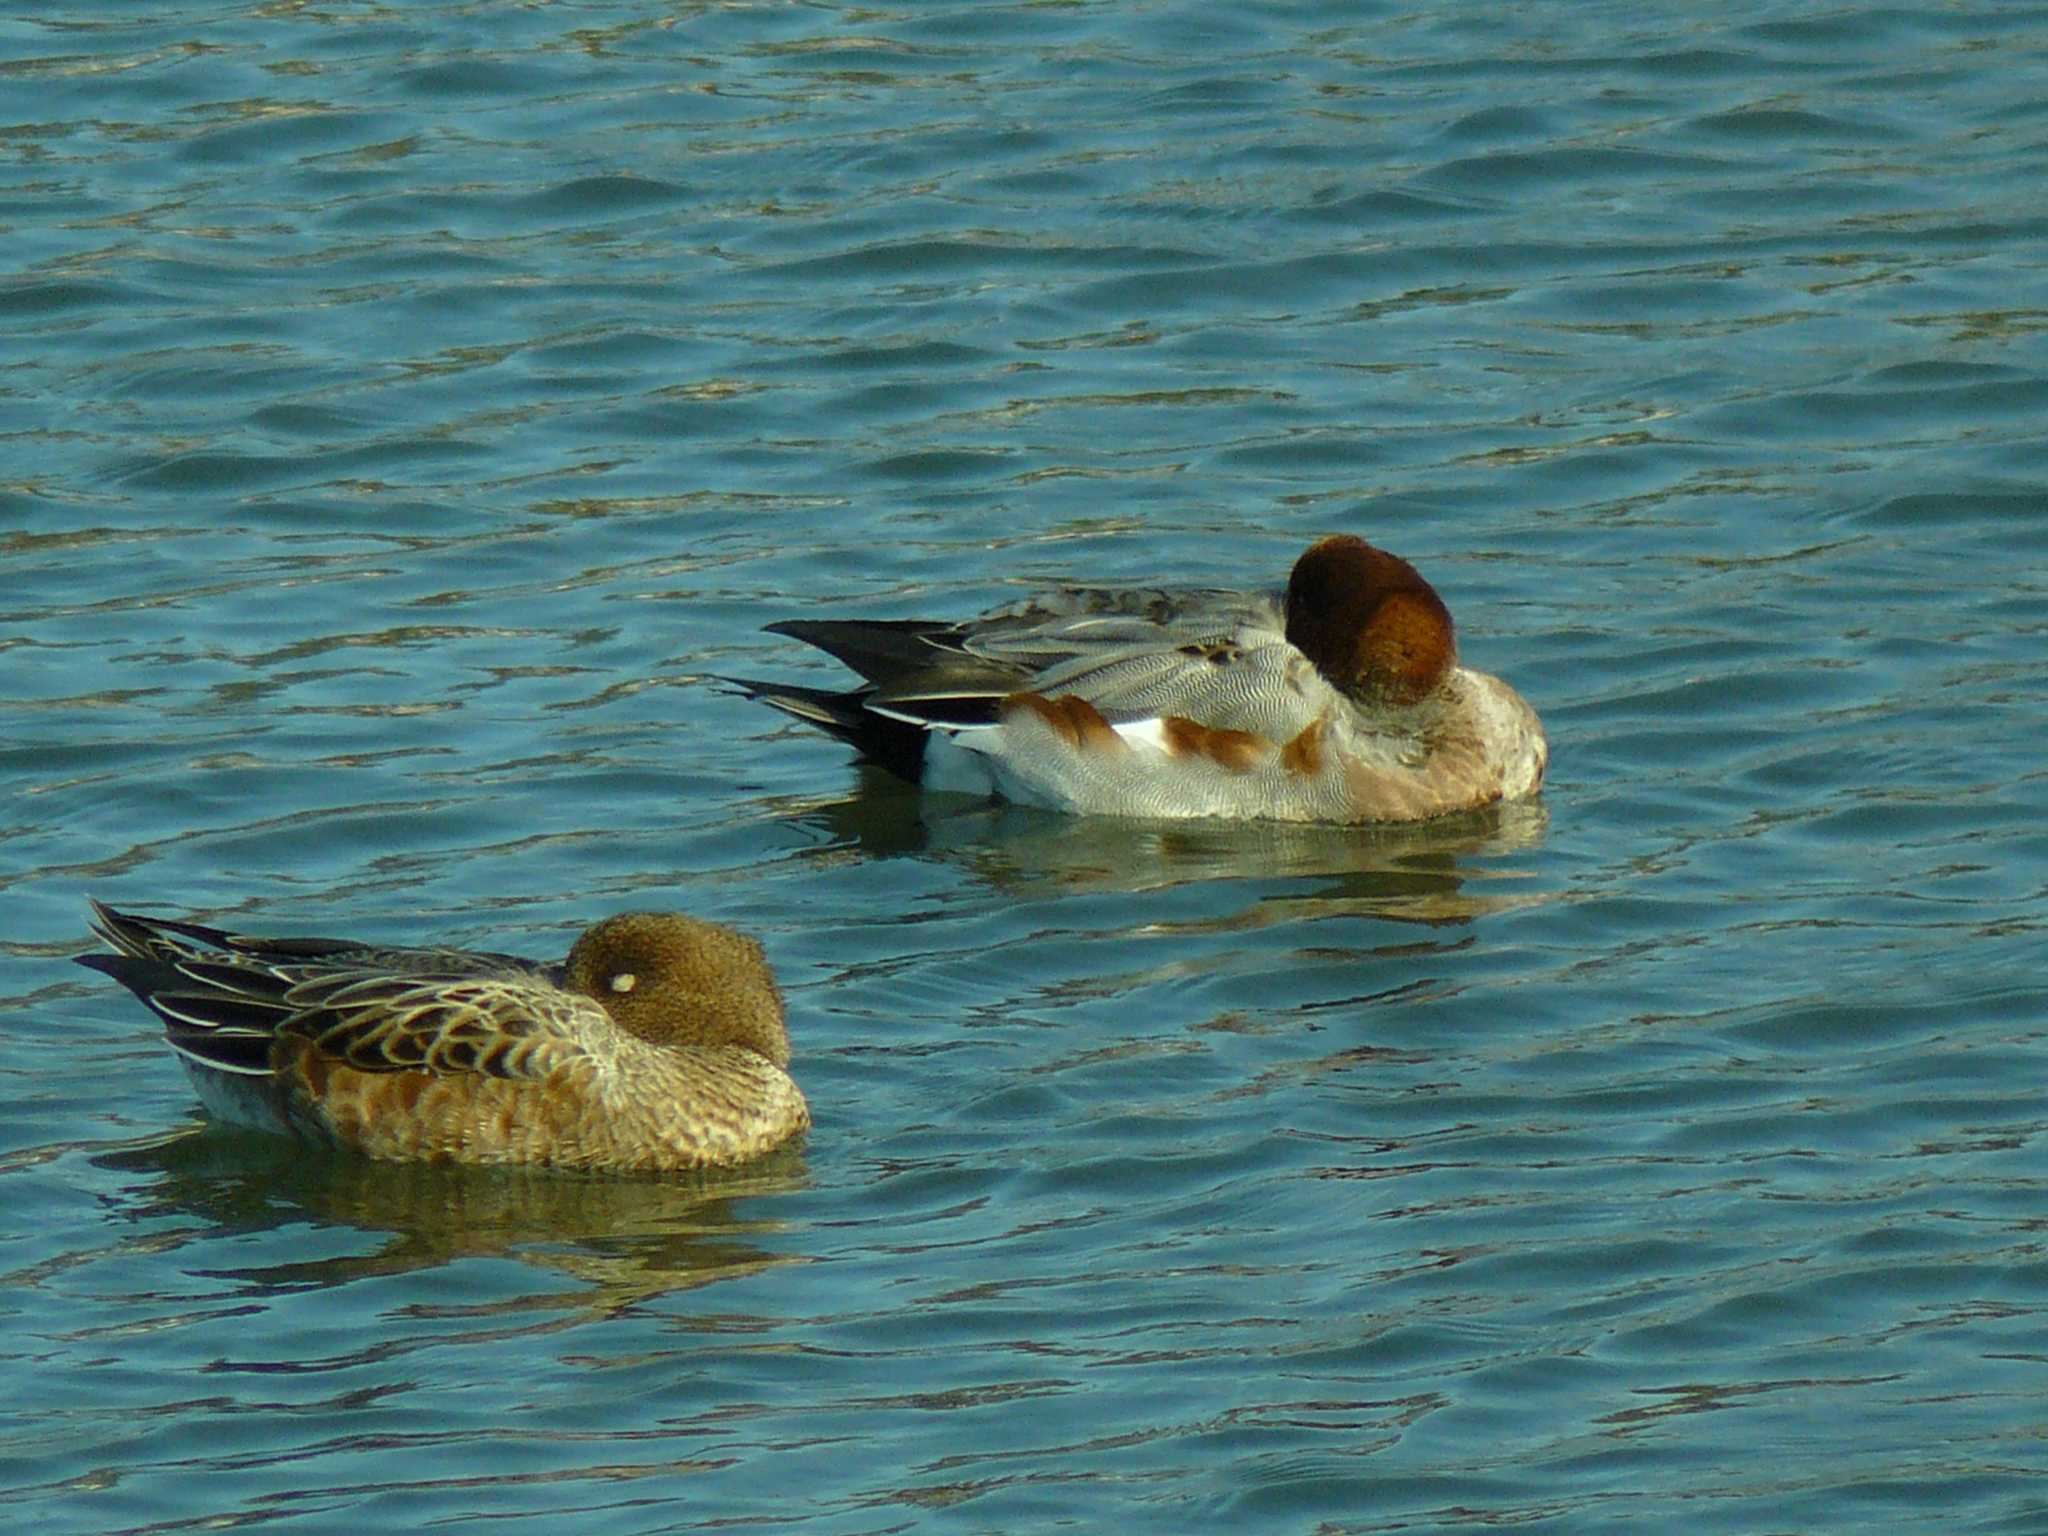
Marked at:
<point>659,1044</point>
<point>1338,699</point>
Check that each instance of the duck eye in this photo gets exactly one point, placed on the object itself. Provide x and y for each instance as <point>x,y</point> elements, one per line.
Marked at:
<point>625,981</point>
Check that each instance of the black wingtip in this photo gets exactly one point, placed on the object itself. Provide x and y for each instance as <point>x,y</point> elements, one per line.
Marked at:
<point>155,938</point>
<point>133,972</point>
<point>880,650</point>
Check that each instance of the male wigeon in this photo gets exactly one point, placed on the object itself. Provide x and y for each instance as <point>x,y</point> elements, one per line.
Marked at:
<point>659,1044</point>
<point>1337,700</point>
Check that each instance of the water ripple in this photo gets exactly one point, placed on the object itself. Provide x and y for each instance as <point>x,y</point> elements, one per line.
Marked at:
<point>412,422</point>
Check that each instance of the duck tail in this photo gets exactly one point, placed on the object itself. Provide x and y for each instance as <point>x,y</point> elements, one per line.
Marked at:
<point>897,745</point>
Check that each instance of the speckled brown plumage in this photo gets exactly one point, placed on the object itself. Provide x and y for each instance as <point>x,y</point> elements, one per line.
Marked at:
<point>658,1044</point>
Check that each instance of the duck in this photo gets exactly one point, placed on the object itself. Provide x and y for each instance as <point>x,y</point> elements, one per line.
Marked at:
<point>660,1044</point>
<point>1339,699</point>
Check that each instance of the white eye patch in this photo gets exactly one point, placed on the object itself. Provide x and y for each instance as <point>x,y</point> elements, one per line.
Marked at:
<point>625,981</point>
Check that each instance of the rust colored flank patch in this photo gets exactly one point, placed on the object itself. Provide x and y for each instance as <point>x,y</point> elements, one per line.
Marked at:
<point>1080,724</point>
<point>1235,751</point>
<point>1304,754</point>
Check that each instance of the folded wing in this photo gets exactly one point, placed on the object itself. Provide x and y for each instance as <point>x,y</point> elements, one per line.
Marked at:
<point>224,999</point>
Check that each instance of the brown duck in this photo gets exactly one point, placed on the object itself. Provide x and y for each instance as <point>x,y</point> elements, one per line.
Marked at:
<point>659,1044</point>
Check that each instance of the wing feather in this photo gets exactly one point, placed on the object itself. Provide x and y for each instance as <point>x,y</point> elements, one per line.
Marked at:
<point>499,1027</point>
<point>1218,658</point>
<point>224,998</point>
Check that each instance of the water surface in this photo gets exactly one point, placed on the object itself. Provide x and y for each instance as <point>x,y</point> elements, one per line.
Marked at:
<point>411,413</point>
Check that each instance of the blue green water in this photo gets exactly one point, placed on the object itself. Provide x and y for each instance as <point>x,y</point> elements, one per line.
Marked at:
<point>409,412</point>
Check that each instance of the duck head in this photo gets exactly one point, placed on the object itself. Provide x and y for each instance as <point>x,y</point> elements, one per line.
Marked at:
<point>676,980</point>
<point>1369,622</point>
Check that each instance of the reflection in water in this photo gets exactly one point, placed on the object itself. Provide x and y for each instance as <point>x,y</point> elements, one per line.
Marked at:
<point>627,1237</point>
<point>1411,871</point>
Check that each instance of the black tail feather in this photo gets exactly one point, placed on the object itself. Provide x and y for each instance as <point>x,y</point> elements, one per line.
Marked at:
<point>896,745</point>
